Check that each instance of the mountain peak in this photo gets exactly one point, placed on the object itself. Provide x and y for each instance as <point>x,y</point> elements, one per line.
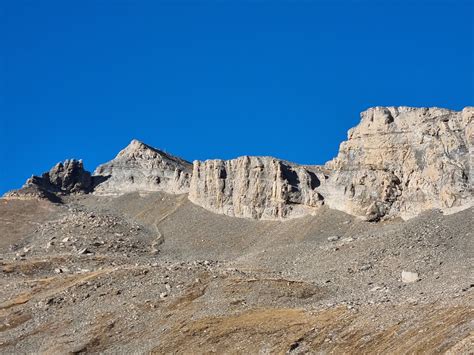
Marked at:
<point>136,145</point>
<point>140,167</point>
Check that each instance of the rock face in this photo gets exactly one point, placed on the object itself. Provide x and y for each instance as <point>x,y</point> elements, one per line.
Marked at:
<point>255,187</point>
<point>140,167</point>
<point>400,161</point>
<point>68,177</point>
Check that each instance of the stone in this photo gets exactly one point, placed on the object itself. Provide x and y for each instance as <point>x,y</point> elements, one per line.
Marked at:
<point>140,167</point>
<point>68,177</point>
<point>409,277</point>
<point>85,251</point>
<point>334,238</point>
<point>397,162</point>
<point>365,267</point>
<point>401,161</point>
<point>256,187</point>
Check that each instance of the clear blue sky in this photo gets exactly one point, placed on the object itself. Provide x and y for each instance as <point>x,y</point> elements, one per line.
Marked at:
<point>217,79</point>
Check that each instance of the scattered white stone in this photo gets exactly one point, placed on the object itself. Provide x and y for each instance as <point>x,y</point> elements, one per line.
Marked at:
<point>334,238</point>
<point>409,277</point>
<point>85,251</point>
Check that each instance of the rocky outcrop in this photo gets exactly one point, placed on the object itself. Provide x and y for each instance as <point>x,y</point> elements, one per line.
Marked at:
<point>255,187</point>
<point>68,177</point>
<point>400,161</point>
<point>140,167</point>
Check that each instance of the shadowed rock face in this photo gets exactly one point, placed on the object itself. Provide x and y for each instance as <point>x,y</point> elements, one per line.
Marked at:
<point>68,177</point>
<point>398,162</point>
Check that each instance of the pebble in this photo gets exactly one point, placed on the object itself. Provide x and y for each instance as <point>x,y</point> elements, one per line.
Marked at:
<point>85,251</point>
<point>409,277</point>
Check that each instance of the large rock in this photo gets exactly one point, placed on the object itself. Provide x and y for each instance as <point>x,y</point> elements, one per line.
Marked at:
<point>68,177</point>
<point>400,161</point>
<point>140,167</point>
<point>256,187</point>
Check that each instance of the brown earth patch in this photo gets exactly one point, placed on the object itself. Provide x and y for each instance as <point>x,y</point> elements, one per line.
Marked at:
<point>272,288</point>
<point>336,330</point>
<point>271,329</point>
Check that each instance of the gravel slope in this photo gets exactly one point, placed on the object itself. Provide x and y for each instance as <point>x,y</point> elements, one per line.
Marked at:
<point>156,273</point>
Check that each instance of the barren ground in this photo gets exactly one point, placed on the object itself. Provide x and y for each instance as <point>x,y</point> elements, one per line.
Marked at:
<point>157,274</point>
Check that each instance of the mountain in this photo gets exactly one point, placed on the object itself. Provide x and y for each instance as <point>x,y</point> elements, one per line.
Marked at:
<point>370,253</point>
<point>140,167</point>
<point>398,162</point>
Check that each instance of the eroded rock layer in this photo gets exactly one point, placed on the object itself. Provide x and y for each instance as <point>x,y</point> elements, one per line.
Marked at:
<point>400,161</point>
<point>255,187</point>
<point>140,167</point>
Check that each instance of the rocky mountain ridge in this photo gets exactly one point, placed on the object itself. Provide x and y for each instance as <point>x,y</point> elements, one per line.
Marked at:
<point>398,162</point>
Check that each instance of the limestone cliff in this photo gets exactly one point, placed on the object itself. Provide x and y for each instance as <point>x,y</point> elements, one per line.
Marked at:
<point>255,187</point>
<point>400,161</point>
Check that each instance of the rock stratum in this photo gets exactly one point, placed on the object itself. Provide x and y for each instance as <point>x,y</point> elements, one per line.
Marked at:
<point>140,167</point>
<point>398,162</point>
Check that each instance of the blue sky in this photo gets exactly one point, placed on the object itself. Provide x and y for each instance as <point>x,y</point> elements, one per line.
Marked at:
<point>217,79</point>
